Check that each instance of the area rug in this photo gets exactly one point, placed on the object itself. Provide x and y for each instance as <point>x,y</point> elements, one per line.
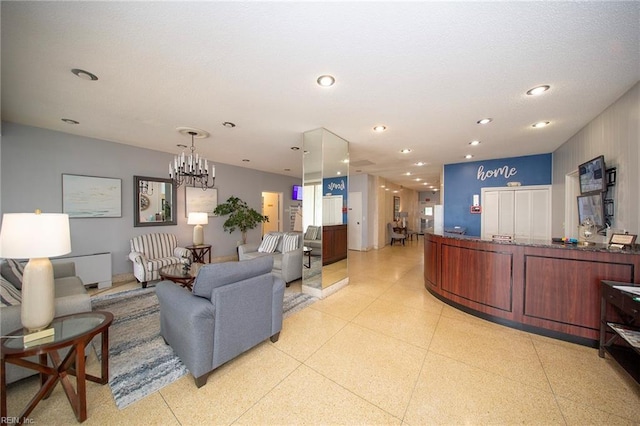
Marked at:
<point>140,363</point>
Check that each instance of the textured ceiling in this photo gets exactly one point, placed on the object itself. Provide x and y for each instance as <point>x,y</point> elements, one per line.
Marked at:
<point>426,70</point>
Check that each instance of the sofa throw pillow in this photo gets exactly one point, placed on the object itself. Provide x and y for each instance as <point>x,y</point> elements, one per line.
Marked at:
<point>269,243</point>
<point>312,232</point>
<point>12,271</point>
<point>289,242</point>
<point>9,295</point>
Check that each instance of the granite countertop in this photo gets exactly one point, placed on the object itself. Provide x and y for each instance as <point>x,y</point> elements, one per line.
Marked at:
<point>531,242</point>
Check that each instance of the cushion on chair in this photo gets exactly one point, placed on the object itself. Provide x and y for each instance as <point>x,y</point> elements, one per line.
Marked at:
<point>156,264</point>
<point>289,242</point>
<point>9,295</point>
<point>269,243</point>
<point>12,271</point>
<point>312,233</point>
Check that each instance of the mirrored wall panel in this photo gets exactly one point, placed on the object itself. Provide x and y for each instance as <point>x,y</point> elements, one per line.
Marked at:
<point>324,206</point>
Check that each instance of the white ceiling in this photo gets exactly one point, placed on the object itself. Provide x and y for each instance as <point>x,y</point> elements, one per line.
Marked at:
<point>426,70</point>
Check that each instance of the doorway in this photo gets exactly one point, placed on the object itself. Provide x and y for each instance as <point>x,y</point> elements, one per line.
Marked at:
<point>354,219</point>
<point>272,207</point>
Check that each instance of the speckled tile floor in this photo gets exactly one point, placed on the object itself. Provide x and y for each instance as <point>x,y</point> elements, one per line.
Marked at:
<point>380,351</point>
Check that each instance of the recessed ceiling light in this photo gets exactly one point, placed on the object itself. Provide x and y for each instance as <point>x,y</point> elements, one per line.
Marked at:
<point>474,143</point>
<point>405,151</point>
<point>85,75</point>
<point>338,173</point>
<point>345,161</point>
<point>420,164</point>
<point>540,124</point>
<point>417,179</point>
<point>426,183</point>
<point>468,156</point>
<point>246,160</point>
<point>386,189</point>
<point>382,186</point>
<point>70,121</point>
<point>395,192</point>
<point>229,124</point>
<point>295,148</point>
<point>408,173</point>
<point>538,90</point>
<point>379,128</point>
<point>326,80</point>
<point>485,121</point>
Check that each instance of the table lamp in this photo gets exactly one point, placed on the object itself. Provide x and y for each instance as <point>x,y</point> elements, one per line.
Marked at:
<point>36,236</point>
<point>198,219</point>
<point>404,216</point>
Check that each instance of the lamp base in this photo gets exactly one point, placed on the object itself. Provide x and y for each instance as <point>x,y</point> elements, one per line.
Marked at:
<point>198,235</point>
<point>38,307</point>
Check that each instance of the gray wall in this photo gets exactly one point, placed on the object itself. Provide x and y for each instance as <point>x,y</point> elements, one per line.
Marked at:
<point>34,159</point>
<point>615,133</point>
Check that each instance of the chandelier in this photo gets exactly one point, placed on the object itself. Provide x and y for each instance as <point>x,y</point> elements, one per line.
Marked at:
<point>192,169</point>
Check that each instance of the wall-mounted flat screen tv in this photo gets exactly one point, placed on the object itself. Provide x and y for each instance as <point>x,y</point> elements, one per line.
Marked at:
<point>296,192</point>
<point>592,205</point>
<point>592,175</point>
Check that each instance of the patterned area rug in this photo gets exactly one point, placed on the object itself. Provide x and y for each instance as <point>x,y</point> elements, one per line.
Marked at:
<point>140,363</point>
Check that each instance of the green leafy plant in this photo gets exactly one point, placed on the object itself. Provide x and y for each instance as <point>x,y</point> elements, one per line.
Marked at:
<point>241,216</point>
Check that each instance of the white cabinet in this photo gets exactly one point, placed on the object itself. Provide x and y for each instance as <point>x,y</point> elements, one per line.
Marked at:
<point>522,212</point>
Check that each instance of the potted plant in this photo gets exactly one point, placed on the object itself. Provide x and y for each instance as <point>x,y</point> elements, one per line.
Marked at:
<point>241,216</point>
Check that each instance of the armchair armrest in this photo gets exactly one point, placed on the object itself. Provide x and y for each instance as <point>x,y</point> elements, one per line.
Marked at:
<point>182,252</point>
<point>137,257</point>
<point>247,248</point>
<point>187,324</point>
<point>66,269</point>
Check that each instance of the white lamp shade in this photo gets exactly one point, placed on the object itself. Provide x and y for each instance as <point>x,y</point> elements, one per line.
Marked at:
<point>34,235</point>
<point>198,218</point>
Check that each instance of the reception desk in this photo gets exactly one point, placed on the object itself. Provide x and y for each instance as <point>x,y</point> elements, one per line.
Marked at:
<point>545,288</point>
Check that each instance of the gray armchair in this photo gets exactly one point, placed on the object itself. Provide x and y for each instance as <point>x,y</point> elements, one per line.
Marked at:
<point>233,307</point>
<point>395,235</point>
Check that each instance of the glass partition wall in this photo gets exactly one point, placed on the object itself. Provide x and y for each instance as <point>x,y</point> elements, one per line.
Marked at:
<point>324,207</point>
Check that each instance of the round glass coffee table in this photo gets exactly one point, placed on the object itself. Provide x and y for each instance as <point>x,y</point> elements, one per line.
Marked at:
<point>71,331</point>
<point>178,275</point>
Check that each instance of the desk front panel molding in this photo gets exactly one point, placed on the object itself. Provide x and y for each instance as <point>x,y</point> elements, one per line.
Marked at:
<point>570,282</point>
<point>480,276</point>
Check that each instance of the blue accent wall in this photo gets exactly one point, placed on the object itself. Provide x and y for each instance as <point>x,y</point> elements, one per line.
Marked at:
<point>337,186</point>
<point>463,180</point>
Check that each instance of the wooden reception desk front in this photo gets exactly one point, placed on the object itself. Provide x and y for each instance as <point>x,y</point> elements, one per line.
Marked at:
<point>545,288</point>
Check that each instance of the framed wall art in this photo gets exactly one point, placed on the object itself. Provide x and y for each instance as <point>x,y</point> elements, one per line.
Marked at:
<point>91,196</point>
<point>198,200</point>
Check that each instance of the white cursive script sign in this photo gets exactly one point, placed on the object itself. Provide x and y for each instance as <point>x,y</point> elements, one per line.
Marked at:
<point>334,185</point>
<point>505,171</point>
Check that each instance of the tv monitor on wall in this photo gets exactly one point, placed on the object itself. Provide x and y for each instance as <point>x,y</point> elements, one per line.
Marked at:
<point>296,193</point>
<point>592,205</point>
<point>592,175</point>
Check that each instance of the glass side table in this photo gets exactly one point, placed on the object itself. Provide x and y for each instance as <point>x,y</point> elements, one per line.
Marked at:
<point>71,331</point>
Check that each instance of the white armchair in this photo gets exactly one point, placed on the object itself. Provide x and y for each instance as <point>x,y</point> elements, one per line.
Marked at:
<point>151,252</point>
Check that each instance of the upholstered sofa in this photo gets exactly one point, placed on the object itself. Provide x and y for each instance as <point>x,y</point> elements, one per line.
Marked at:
<point>70,298</point>
<point>313,238</point>
<point>233,307</point>
<point>287,264</point>
<point>150,252</point>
